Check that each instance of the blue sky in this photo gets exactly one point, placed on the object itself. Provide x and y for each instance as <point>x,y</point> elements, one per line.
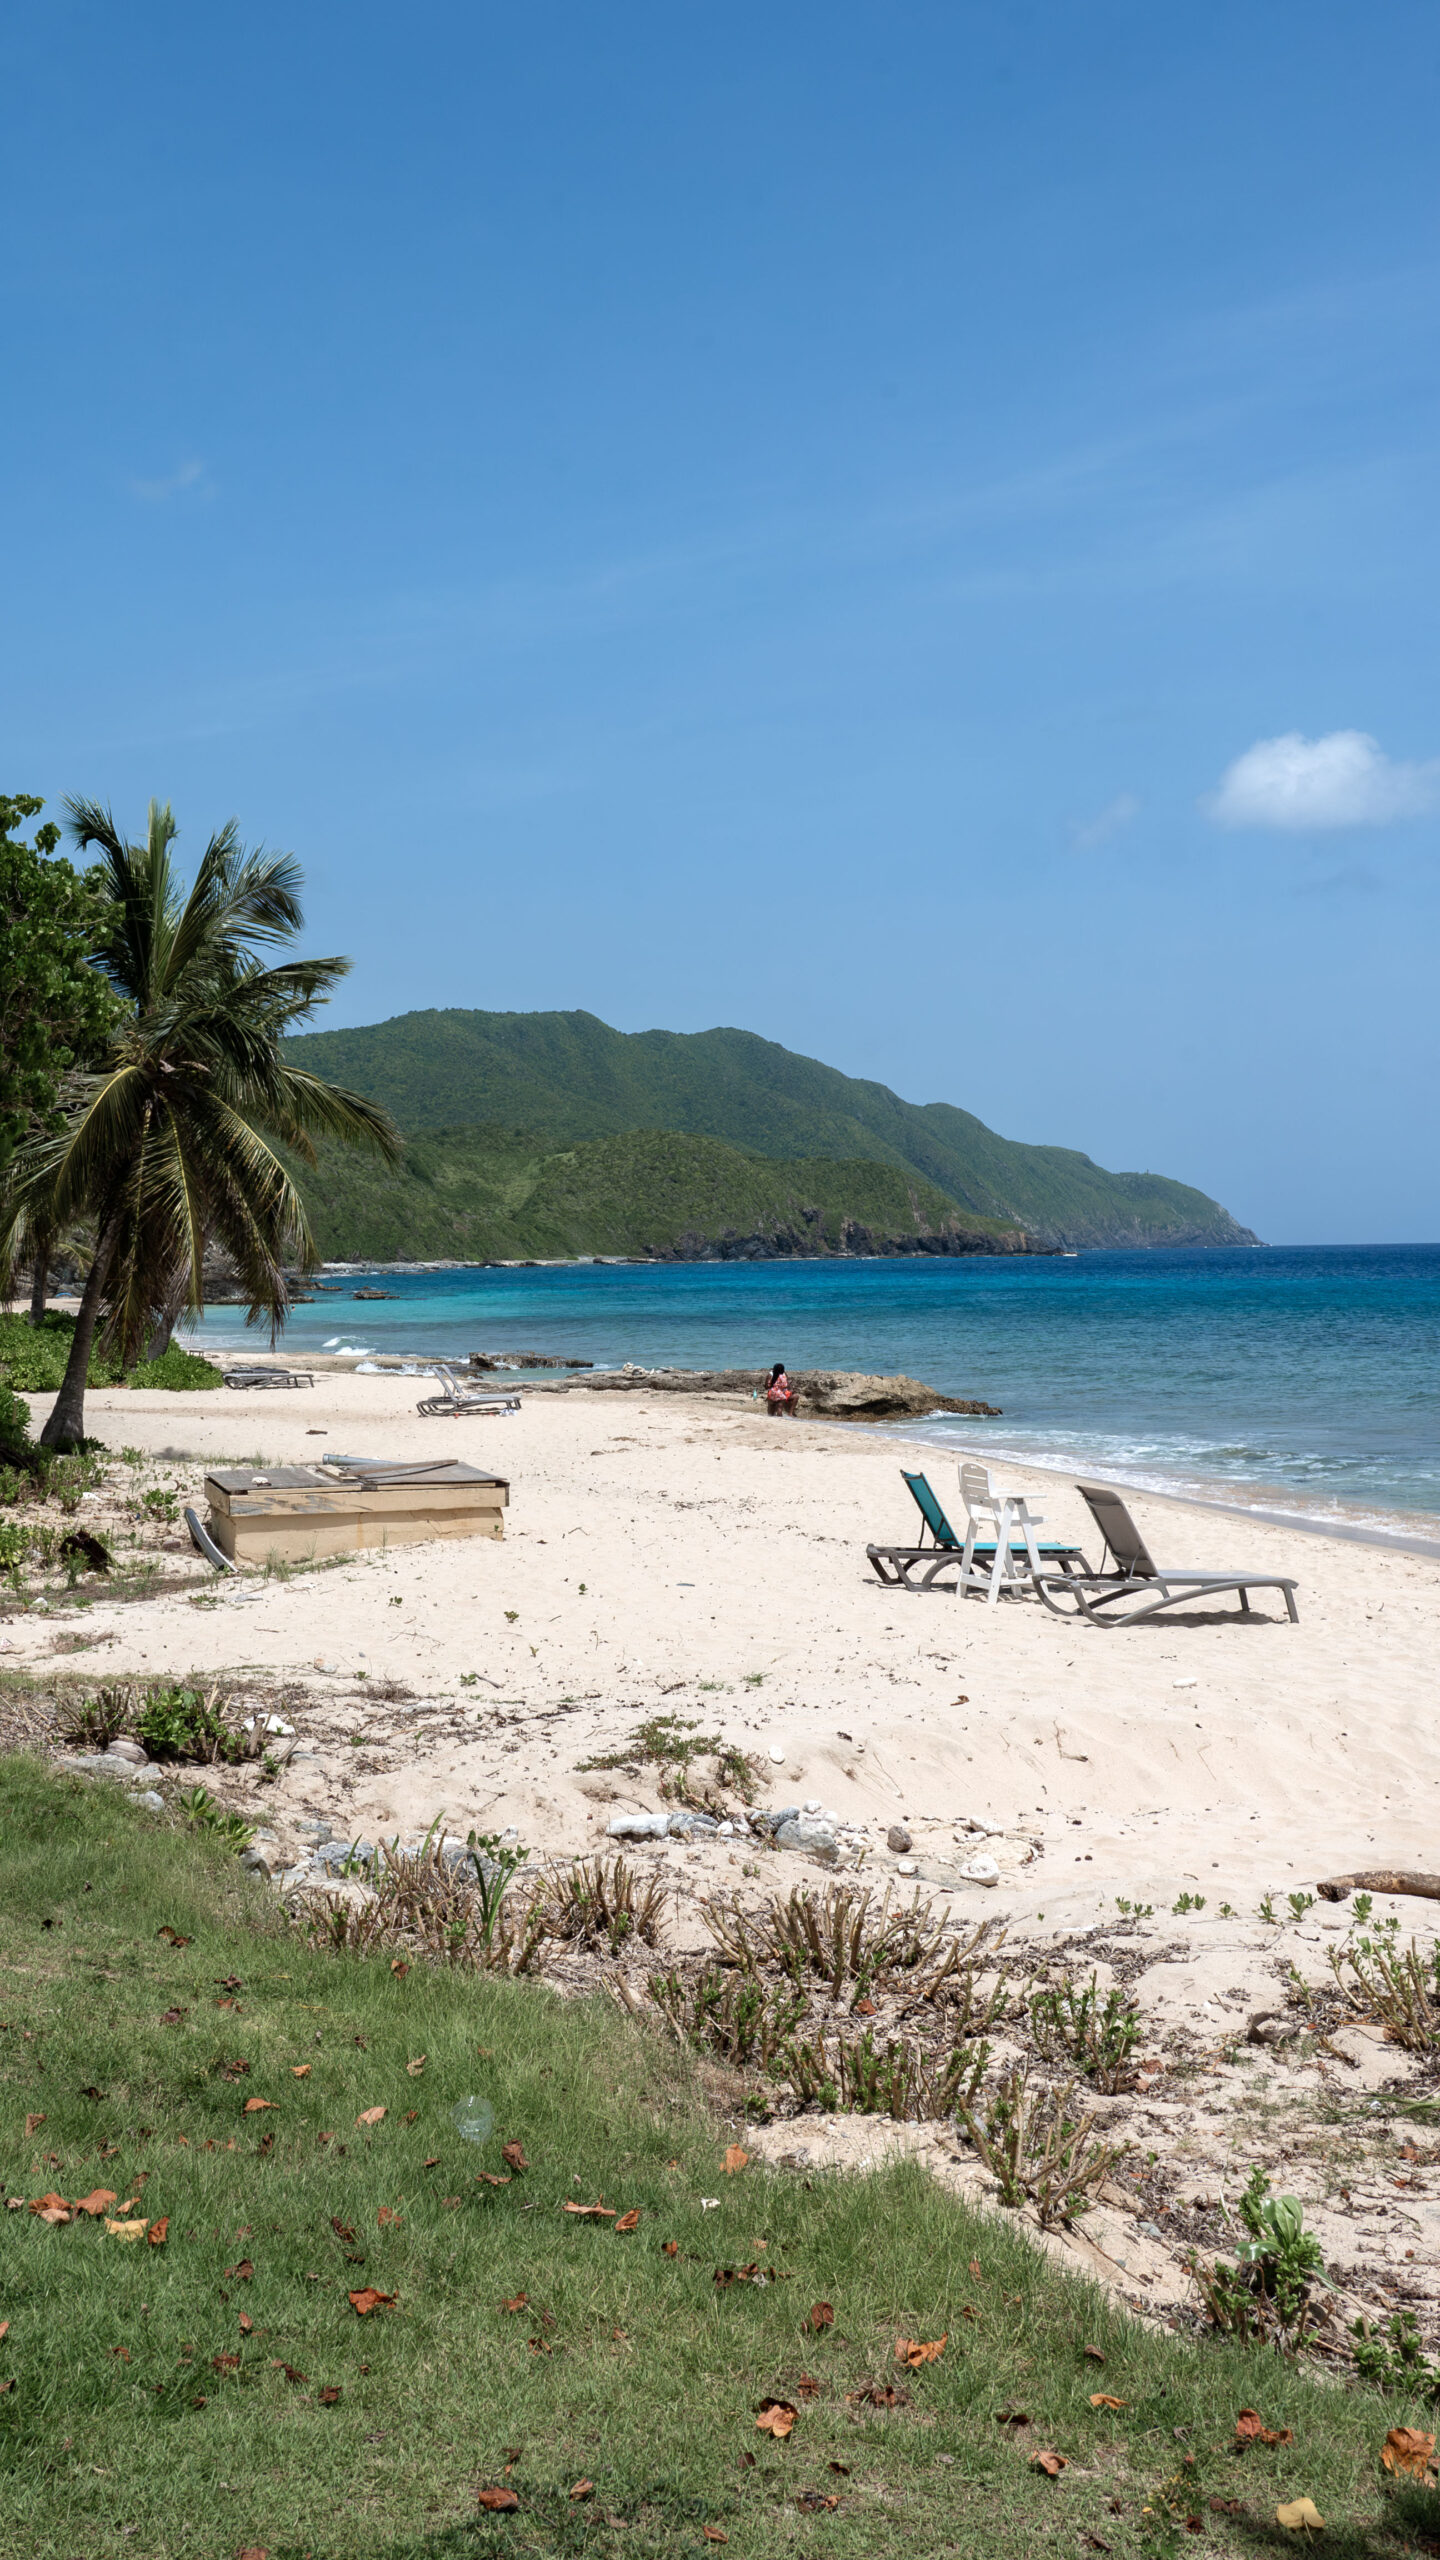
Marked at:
<point>908,528</point>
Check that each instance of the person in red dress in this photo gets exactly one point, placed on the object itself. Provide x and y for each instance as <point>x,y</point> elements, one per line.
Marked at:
<point>780,1396</point>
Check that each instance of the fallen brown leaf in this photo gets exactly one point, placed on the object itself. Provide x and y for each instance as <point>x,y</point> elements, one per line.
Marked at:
<point>974,2266</point>
<point>368,2300</point>
<point>1052,2464</point>
<point>299,2070</point>
<point>96,2201</point>
<point>372,2115</point>
<point>713,2533</point>
<point>257,2106</point>
<point>777,2417</point>
<point>1012,2417</point>
<point>513,2155</point>
<point>540,2346</point>
<point>583,2489</point>
<point>1096,2541</point>
<point>629,2221</point>
<point>808,2387</point>
<point>1300,2516</point>
<point>817,2502</point>
<point>1226,2506</point>
<point>735,2159</point>
<point>878,2395</point>
<point>50,2208</point>
<point>1406,2451</point>
<point>1250,2428</point>
<point>125,2230</point>
<point>1105,2400</point>
<point>518,2302</point>
<point>821,2315</point>
<point>918,2351</point>
<point>242,2271</point>
<point>342,2230</point>
<point>592,2212</point>
<point>228,2363</point>
<point>487,2177</point>
<point>172,1937</point>
<point>399,1967</point>
<point>387,2215</point>
<point>159,2231</point>
<point>670,2248</point>
<point>1095,2354</point>
<point>246,2324</point>
<point>328,2394</point>
<point>415,2065</point>
<point>290,2371</point>
<point>32,2125</point>
<point>498,2502</point>
<point>122,2352</point>
<point>842,2467</point>
<point>171,2017</point>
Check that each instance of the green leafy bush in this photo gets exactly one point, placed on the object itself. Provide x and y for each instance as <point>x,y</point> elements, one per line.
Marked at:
<point>33,1357</point>
<point>15,1441</point>
<point>184,1724</point>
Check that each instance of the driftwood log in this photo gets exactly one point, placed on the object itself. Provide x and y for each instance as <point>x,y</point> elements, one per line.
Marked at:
<point>1381,1880</point>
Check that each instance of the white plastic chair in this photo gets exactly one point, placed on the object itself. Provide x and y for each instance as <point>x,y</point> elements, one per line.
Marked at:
<point>990,1515</point>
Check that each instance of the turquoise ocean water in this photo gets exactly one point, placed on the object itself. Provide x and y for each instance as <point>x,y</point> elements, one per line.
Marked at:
<point>1299,1380</point>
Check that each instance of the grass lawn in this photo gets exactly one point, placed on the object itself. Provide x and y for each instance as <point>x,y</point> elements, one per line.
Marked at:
<point>218,2394</point>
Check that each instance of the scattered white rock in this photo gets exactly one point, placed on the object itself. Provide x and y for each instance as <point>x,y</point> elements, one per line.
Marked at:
<point>980,1870</point>
<point>907,1867</point>
<point>776,1753</point>
<point>638,1826</point>
<point>124,1747</point>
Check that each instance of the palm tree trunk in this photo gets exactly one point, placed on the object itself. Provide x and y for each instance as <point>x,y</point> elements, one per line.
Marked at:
<point>165,1322</point>
<point>66,1425</point>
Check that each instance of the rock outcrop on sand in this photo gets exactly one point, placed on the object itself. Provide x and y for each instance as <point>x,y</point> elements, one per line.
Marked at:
<point>837,1394</point>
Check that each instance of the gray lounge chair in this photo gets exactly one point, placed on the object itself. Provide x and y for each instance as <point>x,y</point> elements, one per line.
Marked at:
<point>458,1396</point>
<point>1132,1575</point>
<point>265,1376</point>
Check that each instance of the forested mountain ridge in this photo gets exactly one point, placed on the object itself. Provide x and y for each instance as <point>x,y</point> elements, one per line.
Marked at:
<point>550,1082</point>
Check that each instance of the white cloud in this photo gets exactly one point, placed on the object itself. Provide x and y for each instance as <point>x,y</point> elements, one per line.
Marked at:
<point>1304,784</point>
<point>188,475</point>
<point>1107,822</point>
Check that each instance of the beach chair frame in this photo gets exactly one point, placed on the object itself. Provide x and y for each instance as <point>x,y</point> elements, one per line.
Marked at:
<point>458,1396</point>
<point>1133,1576</point>
<point>974,1559</point>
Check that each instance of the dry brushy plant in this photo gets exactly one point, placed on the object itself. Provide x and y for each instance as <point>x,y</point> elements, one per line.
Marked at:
<point>602,1902</point>
<point>1079,2027</point>
<point>743,2020</point>
<point>846,1936</point>
<point>445,1912</point>
<point>1038,2145</point>
<point>1397,1991</point>
<point>903,2078</point>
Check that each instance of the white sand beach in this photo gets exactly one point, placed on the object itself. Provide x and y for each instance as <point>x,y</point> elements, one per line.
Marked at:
<point>679,1556</point>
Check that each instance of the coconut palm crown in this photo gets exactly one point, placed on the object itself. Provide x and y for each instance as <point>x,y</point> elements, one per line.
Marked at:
<point>173,1145</point>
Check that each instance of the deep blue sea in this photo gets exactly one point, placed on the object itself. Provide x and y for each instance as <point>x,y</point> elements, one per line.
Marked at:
<point>1303,1380</point>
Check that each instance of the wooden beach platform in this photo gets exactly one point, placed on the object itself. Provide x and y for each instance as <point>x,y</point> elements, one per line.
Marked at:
<point>295,1513</point>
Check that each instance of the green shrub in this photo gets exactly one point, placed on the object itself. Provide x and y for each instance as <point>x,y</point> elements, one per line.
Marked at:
<point>15,1441</point>
<point>33,1357</point>
<point>181,1724</point>
<point>175,1369</point>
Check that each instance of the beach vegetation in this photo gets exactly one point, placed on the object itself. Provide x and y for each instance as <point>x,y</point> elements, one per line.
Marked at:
<point>602,1902</point>
<point>171,1137</point>
<point>1268,2293</point>
<point>341,2318</point>
<point>1094,2034</point>
<point>735,2016</point>
<point>903,2077</point>
<point>1398,1989</point>
<point>1038,2144</point>
<point>1187,1902</point>
<point>672,1744</point>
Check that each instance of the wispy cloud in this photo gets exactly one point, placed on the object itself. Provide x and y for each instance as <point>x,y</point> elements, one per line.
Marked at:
<point>1107,822</point>
<point>1303,785</point>
<point>187,475</point>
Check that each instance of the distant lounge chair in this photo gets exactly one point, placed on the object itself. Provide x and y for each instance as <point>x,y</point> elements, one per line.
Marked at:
<point>975,1559</point>
<point>258,1376</point>
<point>458,1397</point>
<point>1133,1575</point>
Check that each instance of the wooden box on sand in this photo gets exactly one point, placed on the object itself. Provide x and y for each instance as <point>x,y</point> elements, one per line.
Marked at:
<point>294,1513</point>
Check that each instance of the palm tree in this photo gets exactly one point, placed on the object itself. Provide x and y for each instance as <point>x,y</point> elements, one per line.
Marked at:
<point>174,1143</point>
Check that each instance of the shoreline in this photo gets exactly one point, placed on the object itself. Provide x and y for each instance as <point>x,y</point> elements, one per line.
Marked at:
<point>1396,1529</point>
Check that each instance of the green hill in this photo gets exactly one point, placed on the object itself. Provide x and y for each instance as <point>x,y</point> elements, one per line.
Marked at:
<point>490,1091</point>
<point>498,1195</point>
